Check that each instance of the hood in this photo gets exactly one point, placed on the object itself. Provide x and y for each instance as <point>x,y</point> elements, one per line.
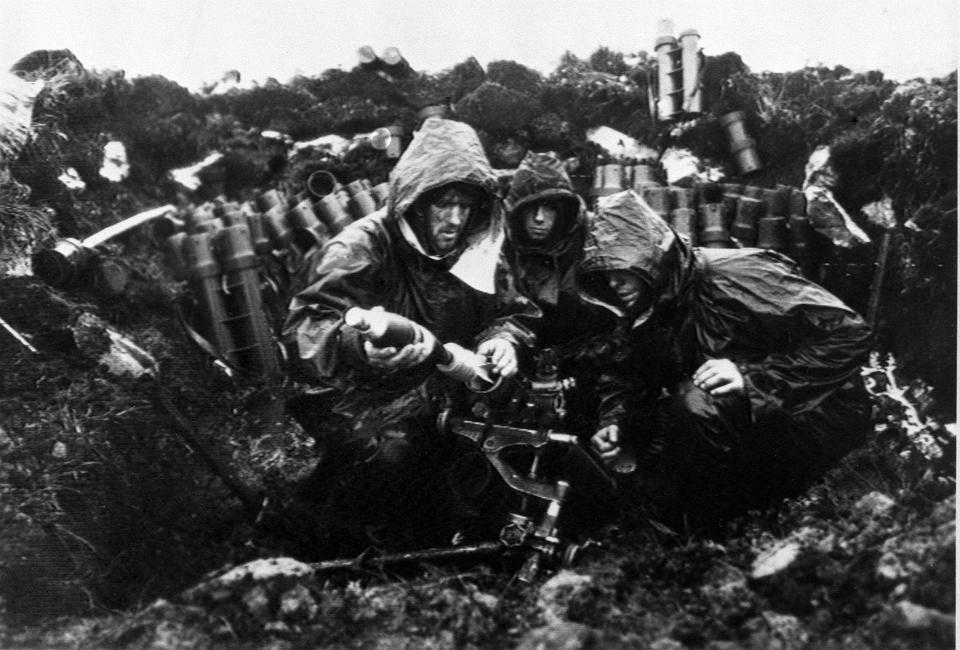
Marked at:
<point>443,152</point>
<point>542,176</point>
<point>626,234</point>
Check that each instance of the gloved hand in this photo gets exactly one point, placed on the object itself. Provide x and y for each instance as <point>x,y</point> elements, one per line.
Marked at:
<point>501,355</point>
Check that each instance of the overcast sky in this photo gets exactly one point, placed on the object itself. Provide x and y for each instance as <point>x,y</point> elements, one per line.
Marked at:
<point>195,41</point>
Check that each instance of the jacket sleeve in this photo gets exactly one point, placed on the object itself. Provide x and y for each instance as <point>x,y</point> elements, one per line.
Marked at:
<point>626,390</point>
<point>350,273</point>
<point>832,343</point>
<point>514,316</point>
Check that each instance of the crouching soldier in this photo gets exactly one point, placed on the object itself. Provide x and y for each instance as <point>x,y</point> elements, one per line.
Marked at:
<point>739,383</point>
<point>546,228</point>
<point>430,255</point>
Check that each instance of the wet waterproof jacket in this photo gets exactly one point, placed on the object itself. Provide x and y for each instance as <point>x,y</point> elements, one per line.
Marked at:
<point>798,347</point>
<point>377,261</point>
<point>545,271</point>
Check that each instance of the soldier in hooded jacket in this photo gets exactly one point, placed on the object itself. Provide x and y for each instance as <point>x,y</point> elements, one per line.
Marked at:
<point>546,225</point>
<point>738,380</point>
<point>430,255</point>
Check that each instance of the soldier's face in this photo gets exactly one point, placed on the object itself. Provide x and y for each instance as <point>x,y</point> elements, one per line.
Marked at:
<point>628,286</point>
<point>539,220</point>
<point>447,218</point>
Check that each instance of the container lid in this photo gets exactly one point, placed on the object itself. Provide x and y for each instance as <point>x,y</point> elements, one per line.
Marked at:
<point>665,40</point>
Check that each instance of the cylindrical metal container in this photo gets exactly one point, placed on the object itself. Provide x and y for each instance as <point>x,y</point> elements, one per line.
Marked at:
<point>713,231</point>
<point>744,228</point>
<point>684,221</point>
<point>203,272</point>
<point>772,233</point>
<point>690,62</point>
<point>248,321</point>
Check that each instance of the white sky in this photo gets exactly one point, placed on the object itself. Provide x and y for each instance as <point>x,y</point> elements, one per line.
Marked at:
<point>195,41</point>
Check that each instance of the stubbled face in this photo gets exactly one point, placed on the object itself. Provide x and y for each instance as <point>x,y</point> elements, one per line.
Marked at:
<point>447,218</point>
<point>628,286</point>
<point>539,220</point>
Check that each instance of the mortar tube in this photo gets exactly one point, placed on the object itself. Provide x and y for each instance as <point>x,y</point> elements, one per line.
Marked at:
<point>248,321</point>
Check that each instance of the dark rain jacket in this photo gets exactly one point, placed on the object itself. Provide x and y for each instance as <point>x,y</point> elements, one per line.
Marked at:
<point>378,260</point>
<point>545,271</point>
<point>798,347</point>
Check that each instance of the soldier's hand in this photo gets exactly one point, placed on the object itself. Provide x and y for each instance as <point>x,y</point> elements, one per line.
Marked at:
<point>501,354</point>
<point>719,377</point>
<point>391,358</point>
<point>606,441</point>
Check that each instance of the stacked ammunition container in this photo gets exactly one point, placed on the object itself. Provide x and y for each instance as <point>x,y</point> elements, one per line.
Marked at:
<point>230,253</point>
<point>721,215</point>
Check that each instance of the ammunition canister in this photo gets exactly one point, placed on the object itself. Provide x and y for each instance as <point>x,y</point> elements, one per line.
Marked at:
<point>306,228</point>
<point>730,203</point>
<point>684,221</point>
<point>776,204</point>
<point>642,177</point>
<point>744,228</point>
<point>321,183</point>
<point>713,231</point>
<point>772,233</point>
<point>684,197</point>
<point>380,194</point>
<point>798,202</point>
<point>800,231</point>
<point>248,320</point>
<point>203,272</point>
<point>331,212</point>
<point>258,231</point>
<point>660,199</point>
<point>278,230</point>
<point>268,199</point>
<point>362,204</point>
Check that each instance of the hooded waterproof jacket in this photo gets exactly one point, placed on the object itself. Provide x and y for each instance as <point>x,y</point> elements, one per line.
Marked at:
<point>379,260</point>
<point>798,347</point>
<point>545,271</point>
